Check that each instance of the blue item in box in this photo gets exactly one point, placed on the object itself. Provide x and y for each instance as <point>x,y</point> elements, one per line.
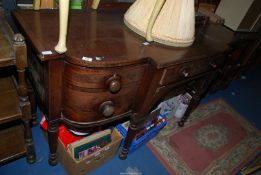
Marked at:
<point>147,136</point>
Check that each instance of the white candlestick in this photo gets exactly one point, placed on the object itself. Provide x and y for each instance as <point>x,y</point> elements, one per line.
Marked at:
<point>95,4</point>
<point>63,23</point>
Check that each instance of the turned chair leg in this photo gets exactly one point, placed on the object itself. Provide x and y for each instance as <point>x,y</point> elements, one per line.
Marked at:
<point>29,144</point>
<point>30,154</point>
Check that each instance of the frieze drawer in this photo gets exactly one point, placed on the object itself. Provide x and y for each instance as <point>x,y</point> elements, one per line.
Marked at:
<point>190,69</point>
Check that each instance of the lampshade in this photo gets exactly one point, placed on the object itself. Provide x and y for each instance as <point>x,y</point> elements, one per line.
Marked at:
<point>175,24</point>
<point>138,16</point>
<point>170,22</point>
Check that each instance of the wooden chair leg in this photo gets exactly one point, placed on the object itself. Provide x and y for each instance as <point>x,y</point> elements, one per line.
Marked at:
<point>30,154</point>
<point>29,144</point>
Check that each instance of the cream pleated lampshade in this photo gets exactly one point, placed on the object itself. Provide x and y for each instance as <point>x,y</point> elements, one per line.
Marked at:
<point>170,22</point>
<point>175,24</point>
<point>138,16</point>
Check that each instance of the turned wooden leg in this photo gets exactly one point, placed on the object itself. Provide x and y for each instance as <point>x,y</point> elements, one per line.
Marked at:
<point>29,144</point>
<point>192,105</point>
<point>132,130</point>
<point>30,151</point>
<point>52,139</point>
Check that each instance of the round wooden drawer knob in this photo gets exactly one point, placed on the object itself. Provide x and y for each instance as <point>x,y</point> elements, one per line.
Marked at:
<point>107,108</point>
<point>114,84</point>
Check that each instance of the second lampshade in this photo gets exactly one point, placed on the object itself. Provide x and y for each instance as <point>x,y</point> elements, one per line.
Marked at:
<point>170,22</point>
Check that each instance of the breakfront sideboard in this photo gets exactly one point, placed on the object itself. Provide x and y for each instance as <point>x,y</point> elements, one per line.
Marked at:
<point>109,73</point>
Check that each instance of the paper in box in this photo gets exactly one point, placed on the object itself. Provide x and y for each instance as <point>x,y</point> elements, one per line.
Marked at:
<point>92,161</point>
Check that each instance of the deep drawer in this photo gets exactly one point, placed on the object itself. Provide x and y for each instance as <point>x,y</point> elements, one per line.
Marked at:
<point>83,106</point>
<point>92,95</point>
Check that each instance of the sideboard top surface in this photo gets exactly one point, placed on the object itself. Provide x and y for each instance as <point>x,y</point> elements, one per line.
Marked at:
<point>103,34</point>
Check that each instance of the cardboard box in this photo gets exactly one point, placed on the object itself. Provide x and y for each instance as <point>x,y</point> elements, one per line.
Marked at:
<point>74,167</point>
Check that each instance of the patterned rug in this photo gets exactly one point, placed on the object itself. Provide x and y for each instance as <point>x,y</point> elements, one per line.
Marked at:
<point>215,140</point>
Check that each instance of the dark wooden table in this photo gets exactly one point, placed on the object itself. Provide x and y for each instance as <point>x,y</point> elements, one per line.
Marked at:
<point>108,73</point>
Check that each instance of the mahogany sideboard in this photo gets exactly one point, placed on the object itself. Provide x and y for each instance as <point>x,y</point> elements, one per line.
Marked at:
<point>109,73</point>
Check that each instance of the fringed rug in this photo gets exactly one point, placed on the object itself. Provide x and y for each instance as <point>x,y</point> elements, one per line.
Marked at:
<point>215,140</point>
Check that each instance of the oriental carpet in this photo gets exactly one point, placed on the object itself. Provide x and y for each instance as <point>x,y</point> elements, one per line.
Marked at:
<point>215,140</point>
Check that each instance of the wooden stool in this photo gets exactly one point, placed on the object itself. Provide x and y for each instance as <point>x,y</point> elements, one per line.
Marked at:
<point>15,108</point>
